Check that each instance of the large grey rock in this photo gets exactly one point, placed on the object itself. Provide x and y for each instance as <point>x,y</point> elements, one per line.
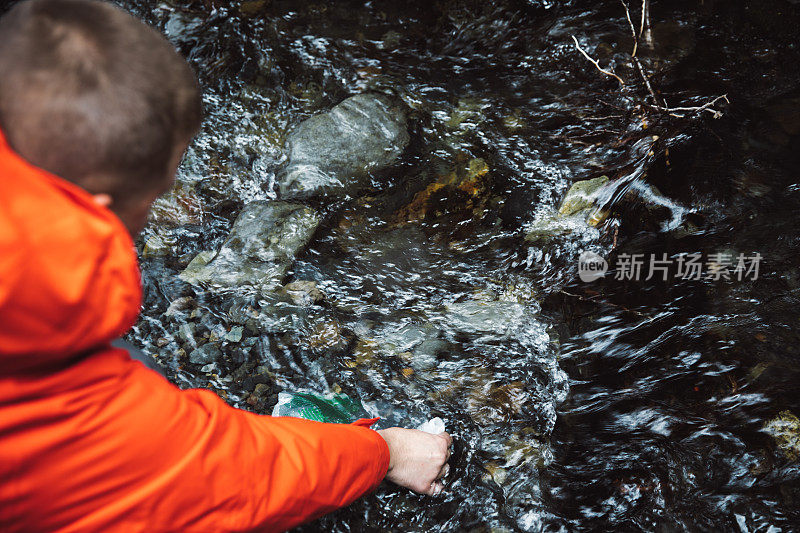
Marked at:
<point>331,152</point>
<point>260,248</point>
<point>207,353</point>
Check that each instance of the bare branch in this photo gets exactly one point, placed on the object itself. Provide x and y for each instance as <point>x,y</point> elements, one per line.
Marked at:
<point>646,80</point>
<point>633,30</point>
<point>644,27</point>
<point>644,14</point>
<point>595,63</point>
<point>708,106</point>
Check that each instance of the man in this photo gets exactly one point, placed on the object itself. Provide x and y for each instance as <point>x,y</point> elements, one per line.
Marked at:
<point>96,110</point>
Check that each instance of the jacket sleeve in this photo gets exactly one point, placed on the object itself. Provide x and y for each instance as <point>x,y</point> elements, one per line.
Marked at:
<point>223,469</point>
<point>298,469</point>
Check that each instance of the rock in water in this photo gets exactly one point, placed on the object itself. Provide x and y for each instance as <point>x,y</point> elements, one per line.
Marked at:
<point>260,248</point>
<point>330,152</point>
<point>581,195</point>
<point>208,353</point>
<point>497,318</point>
<point>785,428</point>
<point>576,214</point>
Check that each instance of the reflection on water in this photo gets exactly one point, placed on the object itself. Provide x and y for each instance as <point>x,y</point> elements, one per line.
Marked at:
<point>448,288</point>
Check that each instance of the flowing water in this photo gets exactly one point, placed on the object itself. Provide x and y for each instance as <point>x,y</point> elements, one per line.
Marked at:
<point>618,404</point>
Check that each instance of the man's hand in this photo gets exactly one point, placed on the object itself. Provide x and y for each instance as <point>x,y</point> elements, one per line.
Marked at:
<point>417,460</point>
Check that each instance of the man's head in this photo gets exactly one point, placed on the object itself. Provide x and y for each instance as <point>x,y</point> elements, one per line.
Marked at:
<point>98,98</point>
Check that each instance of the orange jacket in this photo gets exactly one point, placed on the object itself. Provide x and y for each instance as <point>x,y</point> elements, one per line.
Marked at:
<point>91,440</point>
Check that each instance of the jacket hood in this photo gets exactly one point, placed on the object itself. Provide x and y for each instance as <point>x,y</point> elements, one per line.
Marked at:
<point>69,278</point>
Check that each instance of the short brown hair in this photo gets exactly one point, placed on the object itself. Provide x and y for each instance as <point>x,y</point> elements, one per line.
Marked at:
<point>88,90</point>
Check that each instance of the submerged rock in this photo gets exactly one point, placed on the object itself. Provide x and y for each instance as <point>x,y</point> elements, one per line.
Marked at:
<point>581,195</point>
<point>304,292</point>
<point>576,214</point>
<point>180,306</point>
<point>329,153</point>
<point>260,248</point>
<point>465,191</point>
<point>416,344</point>
<point>158,246</point>
<point>327,337</point>
<point>235,334</point>
<point>426,355</point>
<point>551,226</point>
<point>485,317</point>
<point>490,403</point>
<point>785,429</point>
<point>207,353</point>
<point>180,206</point>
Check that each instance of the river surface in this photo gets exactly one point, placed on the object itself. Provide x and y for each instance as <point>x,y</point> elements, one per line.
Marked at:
<point>616,404</point>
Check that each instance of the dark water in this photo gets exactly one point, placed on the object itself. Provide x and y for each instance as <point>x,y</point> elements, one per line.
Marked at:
<point>611,405</point>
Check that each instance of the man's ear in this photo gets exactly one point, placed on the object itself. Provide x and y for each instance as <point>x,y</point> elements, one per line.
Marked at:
<point>103,200</point>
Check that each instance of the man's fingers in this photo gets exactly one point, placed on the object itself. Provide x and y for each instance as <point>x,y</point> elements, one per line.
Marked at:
<point>418,460</point>
<point>436,488</point>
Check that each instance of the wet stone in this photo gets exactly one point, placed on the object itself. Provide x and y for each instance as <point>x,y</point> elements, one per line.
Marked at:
<point>259,249</point>
<point>581,195</point>
<point>329,153</point>
<point>262,389</point>
<point>304,293</point>
<point>425,356</point>
<point>179,305</point>
<point>186,333</point>
<point>577,215</point>
<point>405,338</point>
<point>327,336</point>
<point>278,314</point>
<point>251,382</point>
<point>467,114</point>
<point>241,372</point>
<point>158,246</point>
<point>208,353</point>
<point>785,429</point>
<point>242,310</point>
<point>552,226</point>
<point>251,8</point>
<point>464,192</point>
<point>235,334</point>
<point>196,265</point>
<point>180,206</point>
<point>476,316</point>
<point>492,403</point>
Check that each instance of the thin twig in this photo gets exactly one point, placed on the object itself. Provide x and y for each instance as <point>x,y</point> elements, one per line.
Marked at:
<point>644,14</point>
<point>698,109</point>
<point>646,80</point>
<point>633,30</point>
<point>595,63</point>
<point>606,302</point>
<point>644,28</point>
<point>600,118</point>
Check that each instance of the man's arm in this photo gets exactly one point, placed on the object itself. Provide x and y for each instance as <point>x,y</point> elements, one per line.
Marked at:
<point>203,465</point>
